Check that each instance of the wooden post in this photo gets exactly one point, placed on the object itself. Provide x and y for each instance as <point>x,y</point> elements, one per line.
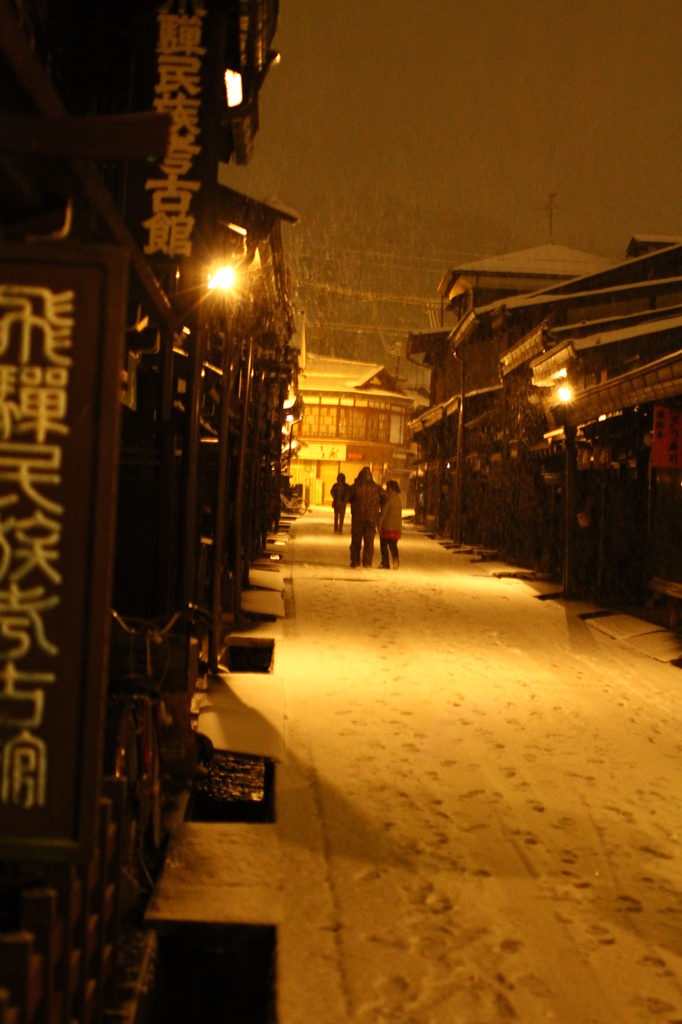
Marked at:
<point>116,790</point>
<point>569,508</point>
<point>64,881</point>
<point>9,1014</point>
<point>215,638</point>
<point>460,456</point>
<point>239,503</point>
<point>39,917</point>
<point>21,973</point>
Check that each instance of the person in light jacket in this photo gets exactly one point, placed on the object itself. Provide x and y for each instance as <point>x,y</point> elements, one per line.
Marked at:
<point>390,525</point>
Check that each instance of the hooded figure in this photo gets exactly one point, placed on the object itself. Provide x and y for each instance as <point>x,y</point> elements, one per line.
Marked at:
<point>365,502</point>
<point>339,494</point>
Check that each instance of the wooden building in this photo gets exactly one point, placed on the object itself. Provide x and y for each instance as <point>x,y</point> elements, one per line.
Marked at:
<point>354,415</point>
<point>141,421</point>
<point>568,428</point>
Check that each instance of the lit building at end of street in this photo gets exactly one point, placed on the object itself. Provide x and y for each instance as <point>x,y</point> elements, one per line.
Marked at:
<point>353,415</point>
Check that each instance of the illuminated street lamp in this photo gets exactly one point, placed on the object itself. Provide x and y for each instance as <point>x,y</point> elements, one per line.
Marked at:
<point>565,394</point>
<point>223,278</point>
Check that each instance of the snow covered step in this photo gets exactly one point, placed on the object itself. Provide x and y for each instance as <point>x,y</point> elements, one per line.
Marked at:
<point>220,873</point>
<point>263,602</point>
<point>622,627</point>
<point>661,645</point>
<point>243,713</point>
<point>267,579</point>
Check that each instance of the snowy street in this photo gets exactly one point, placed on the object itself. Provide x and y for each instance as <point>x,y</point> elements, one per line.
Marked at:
<point>479,814</point>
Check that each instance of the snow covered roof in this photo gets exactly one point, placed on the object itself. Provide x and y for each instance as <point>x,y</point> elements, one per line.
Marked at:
<point>649,383</point>
<point>642,244</point>
<point>642,330</point>
<point>612,323</point>
<point>551,296</point>
<point>327,373</point>
<point>541,260</point>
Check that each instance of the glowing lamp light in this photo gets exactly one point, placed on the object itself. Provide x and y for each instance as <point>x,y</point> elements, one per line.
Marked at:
<point>223,278</point>
<point>565,394</point>
<point>290,418</point>
<point>233,88</point>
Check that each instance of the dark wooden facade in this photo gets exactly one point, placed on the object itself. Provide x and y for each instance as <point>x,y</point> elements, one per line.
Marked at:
<point>117,131</point>
<point>558,469</point>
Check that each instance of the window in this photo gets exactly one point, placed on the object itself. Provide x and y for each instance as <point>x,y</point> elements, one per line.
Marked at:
<point>311,421</point>
<point>359,424</point>
<point>352,423</point>
<point>328,421</point>
<point>377,425</point>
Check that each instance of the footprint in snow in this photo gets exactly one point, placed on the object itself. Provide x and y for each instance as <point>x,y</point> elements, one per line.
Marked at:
<point>630,904</point>
<point>535,986</point>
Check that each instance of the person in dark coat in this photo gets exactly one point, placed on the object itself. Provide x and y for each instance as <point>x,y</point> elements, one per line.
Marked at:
<point>365,502</point>
<point>390,524</point>
<point>339,494</point>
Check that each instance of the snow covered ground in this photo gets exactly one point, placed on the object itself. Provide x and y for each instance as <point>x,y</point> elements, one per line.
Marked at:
<point>479,814</point>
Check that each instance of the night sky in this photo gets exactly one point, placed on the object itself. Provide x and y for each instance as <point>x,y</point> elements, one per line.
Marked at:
<point>413,136</point>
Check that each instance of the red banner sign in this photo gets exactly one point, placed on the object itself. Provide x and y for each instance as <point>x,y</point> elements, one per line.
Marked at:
<point>667,452</point>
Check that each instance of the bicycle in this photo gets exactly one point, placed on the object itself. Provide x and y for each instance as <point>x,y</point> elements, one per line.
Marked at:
<point>295,504</point>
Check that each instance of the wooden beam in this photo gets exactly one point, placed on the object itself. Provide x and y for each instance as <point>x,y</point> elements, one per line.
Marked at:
<point>117,137</point>
<point>35,81</point>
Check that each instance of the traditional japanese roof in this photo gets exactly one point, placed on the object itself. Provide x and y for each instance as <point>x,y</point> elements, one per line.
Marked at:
<point>434,415</point>
<point>541,260</point>
<point>248,208</point>
<point>661,264</point>
<point>520,272</point>
<point>326,373</point>
<point>423,347</point>
<point>582,291</point>
<point>640,245</point>
<point>641,330</point>
<point>613,323</point>
<point>653,382</point>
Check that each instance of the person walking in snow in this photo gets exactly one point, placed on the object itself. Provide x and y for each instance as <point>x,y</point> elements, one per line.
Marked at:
<point>339,494</point>
<point>365,502</point>
<point>390,524</point>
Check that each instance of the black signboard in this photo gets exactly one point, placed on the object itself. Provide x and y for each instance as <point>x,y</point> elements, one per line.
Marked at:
<point>172,74</point>
<point>62,326</point>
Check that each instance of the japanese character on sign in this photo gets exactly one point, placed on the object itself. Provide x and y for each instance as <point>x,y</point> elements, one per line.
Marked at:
<point>35,338</point>
<point>50,328</point>
<point>30,466</point>
<point>12,694</point>
<point>180,33</point>
<point>21,620</point>
<point>177,93</point>
<point>24,771</point>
